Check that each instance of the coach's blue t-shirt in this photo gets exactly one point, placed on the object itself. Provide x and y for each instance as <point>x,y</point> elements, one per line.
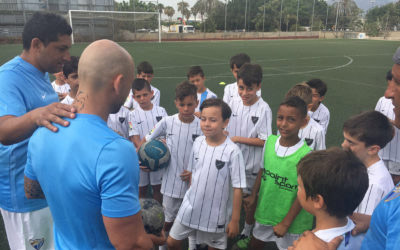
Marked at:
<point>22,89</point>
<point>384,229</point>
<point>85,170</point>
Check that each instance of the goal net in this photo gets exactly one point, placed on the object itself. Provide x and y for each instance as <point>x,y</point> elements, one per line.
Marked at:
<point>119,26</point>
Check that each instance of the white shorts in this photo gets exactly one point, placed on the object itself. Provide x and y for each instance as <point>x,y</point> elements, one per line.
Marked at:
<point>250,180</point>
<point>393,167</point>
<point>28,231</point>
<point>266,233</point>
<point>152,178</point>
<point>171,207</point>
<point>181,232</point>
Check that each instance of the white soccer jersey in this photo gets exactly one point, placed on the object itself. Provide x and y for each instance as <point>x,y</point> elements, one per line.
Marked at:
<point>119,122</point>
<point>349,241</point>
<point>180,137</point>
<point>391,151</point>
<point>231,92</point>
<point>203,96</point>
<point>60,88</point>
<point>380,184</point>
<point>314,135</point>
<point>68,100</point>
<point>130,102</point>
<point>141,122</point>
<point>207,205</point>
<point>321,115</point>
<point>252,122</point>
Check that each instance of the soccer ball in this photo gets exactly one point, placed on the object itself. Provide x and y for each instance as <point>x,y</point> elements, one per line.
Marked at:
<point>152,216</point>
<point>154,155</point>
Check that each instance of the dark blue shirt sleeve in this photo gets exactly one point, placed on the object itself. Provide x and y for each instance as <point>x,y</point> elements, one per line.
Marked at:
<point>117,176</point>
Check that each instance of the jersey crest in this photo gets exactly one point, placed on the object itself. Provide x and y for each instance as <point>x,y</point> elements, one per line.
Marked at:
<point>194,136</point>
<point>37,243</point>
<point>219,164</point>
<point>394,194</point>
<point>254,119</point>
<point>309,141</point>
<point>316,120</point>
<point>158,118</point>
<point>121,119</point>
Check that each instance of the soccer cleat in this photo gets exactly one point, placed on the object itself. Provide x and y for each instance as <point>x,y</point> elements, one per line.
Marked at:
<point>244,242</point>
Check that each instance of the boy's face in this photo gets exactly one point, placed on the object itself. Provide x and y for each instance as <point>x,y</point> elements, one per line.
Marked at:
<point>59,76</point>
<point>235,71</point>
<point>248,94</point>
<point>289,121</point>
<point>197,81</point>
<point>143,97</point>
<point>73,80</point>
<point>211,122</point>
<point>186,107</point>
<point>316,98</point>
<point>147,76</point>
<point>357,147</point>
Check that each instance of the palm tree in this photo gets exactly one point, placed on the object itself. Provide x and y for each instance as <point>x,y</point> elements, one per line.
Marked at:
<point>183,8</point>
<point>187,15</point>
<point>194,11</point>
<point>169,11</point>
<point>160,7</point>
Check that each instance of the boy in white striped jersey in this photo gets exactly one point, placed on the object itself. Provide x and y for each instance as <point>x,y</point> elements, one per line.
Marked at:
<point>70,70</point>
<point>231,90</point>
<point>60,86</point>
<point>249,127</point>
<point>365,134</point>
<point>144,71</point>
<point>313,133</point>
<point>141,121</point>
<point>210,210</point>
<point>119,122</point>
<point>319,112</point>
<point>196,76</point>
<point>180,131</point>
<point>390,154</point>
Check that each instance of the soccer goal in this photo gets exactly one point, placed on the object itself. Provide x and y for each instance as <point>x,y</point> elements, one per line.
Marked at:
<point>119,26</point>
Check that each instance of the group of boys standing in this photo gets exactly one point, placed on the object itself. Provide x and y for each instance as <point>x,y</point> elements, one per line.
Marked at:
<point>223,153</point>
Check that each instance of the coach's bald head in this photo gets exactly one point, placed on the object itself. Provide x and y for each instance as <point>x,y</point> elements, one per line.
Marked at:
<point>106,70</point>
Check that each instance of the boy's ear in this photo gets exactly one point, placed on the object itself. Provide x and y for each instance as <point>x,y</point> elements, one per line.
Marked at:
<point>373,149</point>
<point>225,124</point>
<point>322,98</point>
<point>318,202</point>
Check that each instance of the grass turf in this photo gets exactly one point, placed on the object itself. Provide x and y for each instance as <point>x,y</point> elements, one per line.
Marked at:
<point>354,70</point>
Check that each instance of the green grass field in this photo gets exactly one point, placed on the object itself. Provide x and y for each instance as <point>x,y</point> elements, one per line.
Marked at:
<point>353,69</point>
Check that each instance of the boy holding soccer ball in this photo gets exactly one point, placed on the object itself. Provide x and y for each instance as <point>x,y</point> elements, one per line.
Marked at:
<point>180,131</point>
<point>210,210</point>
<point>141,121</point>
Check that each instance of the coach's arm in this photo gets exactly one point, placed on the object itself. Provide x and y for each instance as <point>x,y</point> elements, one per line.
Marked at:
<point>128,233</point>
<point>33,190</point>
<point>14,129</point>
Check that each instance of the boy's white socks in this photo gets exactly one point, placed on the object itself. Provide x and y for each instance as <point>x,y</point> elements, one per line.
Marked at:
<point>247,229</point>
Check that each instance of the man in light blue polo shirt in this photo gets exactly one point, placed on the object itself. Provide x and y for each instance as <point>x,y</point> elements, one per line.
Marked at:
<point>27,101</point>
<point>87,172</point>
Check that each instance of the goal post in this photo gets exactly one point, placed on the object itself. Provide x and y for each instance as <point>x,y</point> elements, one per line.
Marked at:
<point>119,26</point>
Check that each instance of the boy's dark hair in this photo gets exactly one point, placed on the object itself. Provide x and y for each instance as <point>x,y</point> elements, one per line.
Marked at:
<point>45,26</point>
<point>194,71</point>
<point>239,60</point>
<point>184,89</point>
<point>139,84</point>
<point>318,85</point>
<point>250,74</point>
<point>370,127</point>
<point>71,66</point>
<point>215,102</point>
<point>301,90</point>
<point>145,67</point>
<point>389,75</point>
<point>296,102</point>
<point>338,176</point>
